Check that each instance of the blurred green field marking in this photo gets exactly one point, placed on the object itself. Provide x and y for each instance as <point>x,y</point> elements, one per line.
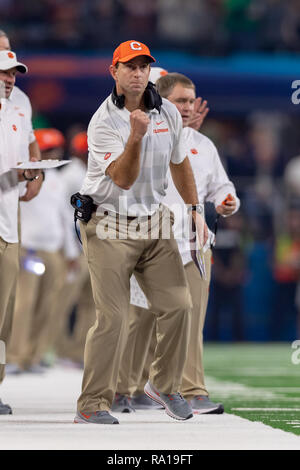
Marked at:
<point>257,381</point>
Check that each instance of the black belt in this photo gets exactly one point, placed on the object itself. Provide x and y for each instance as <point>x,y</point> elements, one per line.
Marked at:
<point>128,217</point>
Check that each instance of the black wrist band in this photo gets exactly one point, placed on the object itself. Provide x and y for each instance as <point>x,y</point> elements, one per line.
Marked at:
<point>25,177</point>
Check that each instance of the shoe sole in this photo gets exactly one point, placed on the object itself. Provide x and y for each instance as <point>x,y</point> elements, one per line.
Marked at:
<point>215,411</point>
<point>122,410</point>
<point>168,411</point>
<point>79,420</point>
<point>155,406</point>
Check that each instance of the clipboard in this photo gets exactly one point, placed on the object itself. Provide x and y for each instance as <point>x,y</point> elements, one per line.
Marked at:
<point>41,164</point>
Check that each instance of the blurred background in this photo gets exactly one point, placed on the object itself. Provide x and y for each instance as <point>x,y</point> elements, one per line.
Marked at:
<point>243,56</point>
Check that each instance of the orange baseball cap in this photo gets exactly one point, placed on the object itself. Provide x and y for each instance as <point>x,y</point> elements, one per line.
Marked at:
<point>129,50</point>
<point>49,138</point>
<point>79,142</point>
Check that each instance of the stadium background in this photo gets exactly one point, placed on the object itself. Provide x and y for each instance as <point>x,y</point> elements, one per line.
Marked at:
<point>243,56</point>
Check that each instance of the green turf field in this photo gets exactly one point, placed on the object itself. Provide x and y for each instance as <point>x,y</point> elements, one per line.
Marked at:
<point>256,381</point>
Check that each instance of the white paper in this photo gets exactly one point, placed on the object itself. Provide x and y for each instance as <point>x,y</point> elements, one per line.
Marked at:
<point>41,164</point>
<point>197,251</point>
<point>137,296</point>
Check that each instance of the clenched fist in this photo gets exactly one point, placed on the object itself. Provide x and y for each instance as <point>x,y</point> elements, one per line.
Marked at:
<point>139,123</point>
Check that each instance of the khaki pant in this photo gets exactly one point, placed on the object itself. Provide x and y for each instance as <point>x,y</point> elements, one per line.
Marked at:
<point>138,353</point>
<point>9,267</point>
<point>85,318</point>
<point>77,293</point>
<point>34,313</point>
<point>158,269</point>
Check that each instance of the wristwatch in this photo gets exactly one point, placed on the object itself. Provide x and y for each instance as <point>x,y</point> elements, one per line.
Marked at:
<point>34,178</point>
<point>197,207</point>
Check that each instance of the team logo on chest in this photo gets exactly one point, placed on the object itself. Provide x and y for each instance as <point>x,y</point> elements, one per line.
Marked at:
<point>158,131</point>
<point>194,151</point>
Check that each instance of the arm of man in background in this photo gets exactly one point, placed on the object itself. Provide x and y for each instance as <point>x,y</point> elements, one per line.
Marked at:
<point>32,187</point>
<point>220,189</point>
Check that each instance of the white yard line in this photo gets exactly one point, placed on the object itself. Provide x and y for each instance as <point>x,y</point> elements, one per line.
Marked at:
<point>44,407</point>
<point>265,409</point>
<point>226,389</point>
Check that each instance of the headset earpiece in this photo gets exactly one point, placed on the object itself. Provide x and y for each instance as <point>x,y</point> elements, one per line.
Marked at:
<point>118,100</point>
<point>152,98</point>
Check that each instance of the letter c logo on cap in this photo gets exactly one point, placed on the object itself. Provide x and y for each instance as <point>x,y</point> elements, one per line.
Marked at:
<point>136,46</point>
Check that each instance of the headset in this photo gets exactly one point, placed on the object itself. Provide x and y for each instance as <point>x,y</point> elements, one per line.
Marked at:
<point>152,98</point>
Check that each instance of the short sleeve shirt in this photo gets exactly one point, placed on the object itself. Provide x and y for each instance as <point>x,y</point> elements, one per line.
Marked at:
<point>13,144</point>
<point>22,102</point>
<point>108,133</point>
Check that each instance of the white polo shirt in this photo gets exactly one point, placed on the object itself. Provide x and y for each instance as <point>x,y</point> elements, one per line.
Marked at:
<point>108,134</point>
<point>13,149</point>
<point>21,101</point>
<point>45,219</point>
<point>72,176</point>
<point>212,184</point>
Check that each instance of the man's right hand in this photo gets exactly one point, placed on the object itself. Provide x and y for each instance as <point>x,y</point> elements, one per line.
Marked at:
<point>139,122</point>
<point>32,189</point>
<point>201,228</point>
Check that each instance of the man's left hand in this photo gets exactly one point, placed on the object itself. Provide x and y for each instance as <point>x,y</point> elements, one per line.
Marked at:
<point>32,189</point>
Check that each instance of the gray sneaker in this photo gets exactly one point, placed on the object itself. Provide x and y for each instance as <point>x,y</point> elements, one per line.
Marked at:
<point>201,405</point>
<point>121,404</point>
<point>35,369</point>
<point>12,369</point>
<point>143,402</point>
<point>5,409</point>
<point>98,417</point>
<point>175,405</point>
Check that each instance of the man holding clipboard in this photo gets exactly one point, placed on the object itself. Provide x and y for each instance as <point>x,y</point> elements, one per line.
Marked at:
<point>13,145</point>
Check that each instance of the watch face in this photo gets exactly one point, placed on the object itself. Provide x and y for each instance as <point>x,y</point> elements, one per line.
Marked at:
<point>197,208</point>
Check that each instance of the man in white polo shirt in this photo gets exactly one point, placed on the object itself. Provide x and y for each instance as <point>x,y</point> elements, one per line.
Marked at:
<point>13,143</point>
<point>212,185</point>
<point>133,139</point>
<point>21,100</point>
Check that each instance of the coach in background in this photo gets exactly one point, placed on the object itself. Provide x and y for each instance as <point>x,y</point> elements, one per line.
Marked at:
<point>46,241</point>
<point>21,100</point>
<point>13,144</point>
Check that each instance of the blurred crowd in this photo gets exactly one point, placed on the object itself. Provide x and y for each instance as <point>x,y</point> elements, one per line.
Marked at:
<point>207,27</point>
<point>255,292</point>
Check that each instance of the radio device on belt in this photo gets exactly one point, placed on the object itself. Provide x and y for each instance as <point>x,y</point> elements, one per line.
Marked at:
<point>84,207</point>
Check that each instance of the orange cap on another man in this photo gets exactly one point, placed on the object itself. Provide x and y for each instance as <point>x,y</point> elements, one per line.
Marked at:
<point>49,138</point>
<point>79,142</point>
